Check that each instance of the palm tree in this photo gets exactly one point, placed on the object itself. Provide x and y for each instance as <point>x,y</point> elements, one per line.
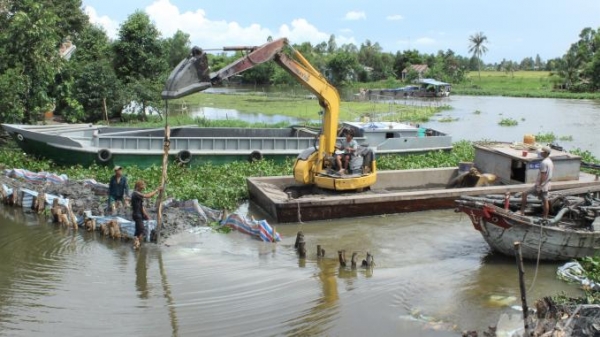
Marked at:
<point>478,48</point>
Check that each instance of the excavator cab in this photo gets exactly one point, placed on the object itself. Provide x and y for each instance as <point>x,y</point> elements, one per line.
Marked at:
<point>193,75</point>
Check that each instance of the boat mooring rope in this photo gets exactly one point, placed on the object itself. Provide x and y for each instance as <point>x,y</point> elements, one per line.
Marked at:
<point>537,264</point>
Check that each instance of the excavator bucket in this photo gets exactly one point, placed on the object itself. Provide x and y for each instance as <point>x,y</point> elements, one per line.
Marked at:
<point>191,75</point>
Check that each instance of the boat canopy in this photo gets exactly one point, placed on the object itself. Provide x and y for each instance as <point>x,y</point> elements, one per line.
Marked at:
<point>431,81</point>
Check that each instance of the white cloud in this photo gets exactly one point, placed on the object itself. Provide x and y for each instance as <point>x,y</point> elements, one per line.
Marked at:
<point>302,30</point>
<point>209,34</point>
<point>354,15</point>
<point>110,26</point>
<point>204,32</point>
<point>396,17</point>
<point>425,41</point>
<point>346,31</point>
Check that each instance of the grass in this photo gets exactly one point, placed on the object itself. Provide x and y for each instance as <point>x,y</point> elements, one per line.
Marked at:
<point>309,109</point>
<point>517,84</point>
<point>498,83</point>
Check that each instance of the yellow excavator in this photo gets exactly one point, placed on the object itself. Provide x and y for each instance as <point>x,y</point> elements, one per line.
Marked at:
<point>314,165</point>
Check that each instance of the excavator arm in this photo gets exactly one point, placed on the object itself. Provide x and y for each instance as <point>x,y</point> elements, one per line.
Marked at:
<point>192,75</point>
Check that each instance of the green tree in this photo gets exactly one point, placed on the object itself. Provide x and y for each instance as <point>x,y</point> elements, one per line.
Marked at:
<point>140,62</point>
<point>477,48</point>
<point>342,67</point>
<point>178,48</point>
<point>31,33</point>
<point>82,89</point>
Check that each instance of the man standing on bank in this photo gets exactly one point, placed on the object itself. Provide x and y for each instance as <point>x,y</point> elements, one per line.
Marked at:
<point>542,183</point>
<point>118,189</point>
<point>139,213</point>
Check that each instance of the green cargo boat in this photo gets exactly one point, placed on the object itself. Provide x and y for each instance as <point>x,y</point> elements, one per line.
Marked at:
<point>87,144</point>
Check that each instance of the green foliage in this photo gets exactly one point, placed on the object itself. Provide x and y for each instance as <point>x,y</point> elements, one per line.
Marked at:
<point>341,66</point>
<point>462,151</point>
<point>547,137</point>
<point>508,122</point>
<point>177,48</point>
<point>447,119</point>
<point>30,38</point>
<point>218,228</point>
<point>140,62</point>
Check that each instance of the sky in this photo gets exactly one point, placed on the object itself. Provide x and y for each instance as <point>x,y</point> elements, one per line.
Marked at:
<point>515,29</point>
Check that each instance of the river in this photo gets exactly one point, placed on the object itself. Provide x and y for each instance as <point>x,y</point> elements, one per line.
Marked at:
<point>477,118</point>
<point>434,276</point>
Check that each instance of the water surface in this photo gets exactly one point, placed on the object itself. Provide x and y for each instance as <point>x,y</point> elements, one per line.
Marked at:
<point>434,276</point>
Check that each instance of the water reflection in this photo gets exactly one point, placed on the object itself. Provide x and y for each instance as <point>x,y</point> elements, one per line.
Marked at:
<point>141,271</point>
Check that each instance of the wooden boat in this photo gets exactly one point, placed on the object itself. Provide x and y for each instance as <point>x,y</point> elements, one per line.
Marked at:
<point>426,87</point>
<point>87,144</point>
<point>571,231</point>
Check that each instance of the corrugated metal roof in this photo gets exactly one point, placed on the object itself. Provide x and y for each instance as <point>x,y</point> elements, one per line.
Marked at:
<point>432,81</point>
<point>420,68</point>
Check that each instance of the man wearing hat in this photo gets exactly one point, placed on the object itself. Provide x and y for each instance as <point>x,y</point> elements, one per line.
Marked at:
<point>118,189</point>
<point>542,183</point>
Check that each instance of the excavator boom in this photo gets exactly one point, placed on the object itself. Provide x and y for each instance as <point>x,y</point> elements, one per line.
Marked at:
<point>192,75</point>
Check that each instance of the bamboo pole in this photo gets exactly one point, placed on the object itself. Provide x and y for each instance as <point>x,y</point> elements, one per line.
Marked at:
<point>163,178</point>
<point>519,257</point>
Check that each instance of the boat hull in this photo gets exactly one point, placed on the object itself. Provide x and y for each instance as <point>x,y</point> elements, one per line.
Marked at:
<point>87,145</point>
<point>501,229</point>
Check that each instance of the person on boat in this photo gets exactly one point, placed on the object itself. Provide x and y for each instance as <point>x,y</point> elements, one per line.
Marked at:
<point>118,189</point>
<point>139,213</point>
<point>542,183</point>
<point>349,146</point>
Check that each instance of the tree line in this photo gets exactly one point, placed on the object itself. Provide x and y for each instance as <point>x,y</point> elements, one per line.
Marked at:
<point>104,77</point>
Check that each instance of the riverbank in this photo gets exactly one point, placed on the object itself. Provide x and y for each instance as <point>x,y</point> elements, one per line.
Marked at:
<point>534,84</point>
<point>85,198</point>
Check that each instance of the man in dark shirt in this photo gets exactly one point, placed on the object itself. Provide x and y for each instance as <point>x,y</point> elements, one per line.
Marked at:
<point>139,213</point>
<point>118,190</point>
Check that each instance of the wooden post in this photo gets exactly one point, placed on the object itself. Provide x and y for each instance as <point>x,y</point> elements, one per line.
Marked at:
<point>353,260</point>
<point>105,110</point>
<point>318,250</point>
<point>322,252</point>
<point>302,248</point>
<point>163,180</point>
<point>274,234</point>
<point>299,236</point>
<point>368,261</point>
<point>342,257</point>
<point>519,258</point>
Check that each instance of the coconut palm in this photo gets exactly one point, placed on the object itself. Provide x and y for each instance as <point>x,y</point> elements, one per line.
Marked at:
<point>478,48</point>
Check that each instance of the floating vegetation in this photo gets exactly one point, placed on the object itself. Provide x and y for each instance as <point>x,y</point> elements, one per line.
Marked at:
<point>477,112</point>
<point>547,137</point>
<point>566,138</point>
<point>508,122</point>
<point>447,119</point>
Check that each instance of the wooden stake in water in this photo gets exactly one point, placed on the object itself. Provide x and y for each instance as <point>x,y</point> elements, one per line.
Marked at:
<point>519,257</point>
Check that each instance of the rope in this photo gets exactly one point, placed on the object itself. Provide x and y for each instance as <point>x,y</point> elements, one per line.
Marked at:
<point>537,264</point>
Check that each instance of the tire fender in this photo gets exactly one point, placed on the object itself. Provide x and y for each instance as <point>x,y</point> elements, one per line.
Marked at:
<point>255,156</point>
<point>184,156</point>
<point>104,155</point>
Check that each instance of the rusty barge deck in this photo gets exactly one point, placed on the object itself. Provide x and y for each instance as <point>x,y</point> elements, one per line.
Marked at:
<point>394,192</point>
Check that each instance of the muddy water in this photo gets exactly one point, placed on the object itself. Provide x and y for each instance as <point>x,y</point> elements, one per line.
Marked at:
<point>434,276</point>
